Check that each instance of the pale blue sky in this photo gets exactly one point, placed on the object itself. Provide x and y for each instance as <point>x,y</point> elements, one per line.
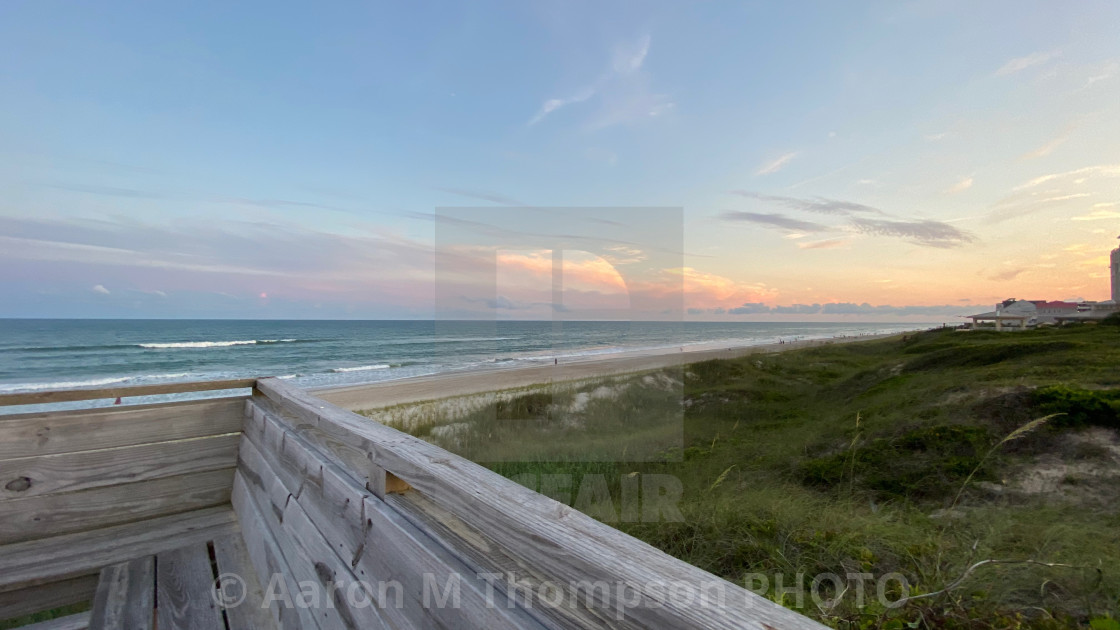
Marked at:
<point>162,159</point>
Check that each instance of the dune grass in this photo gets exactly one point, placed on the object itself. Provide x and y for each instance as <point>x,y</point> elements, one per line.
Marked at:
<point>779,477</point>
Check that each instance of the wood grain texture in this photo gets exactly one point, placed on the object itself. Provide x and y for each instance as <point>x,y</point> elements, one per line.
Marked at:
<point>67,472</point>
<point>71,395</point>
<point>29,435</point>
<point>308,555</point>
<point>233,559</point>
<point>548,538</point>
<point>125,596</point>
<point>72,555</point>
<point>26,601</point>
<point>372,543</point>
<point>486,554</point>
<point>54,514</point>
<point>79,621</point>
<point>268,561</point>
<point>184,590</point>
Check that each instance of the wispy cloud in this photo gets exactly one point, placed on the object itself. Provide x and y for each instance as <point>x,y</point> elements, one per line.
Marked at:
<point>1049,147</point>
<point>828,243</point>
<point>1106,73</point>
<point>1102,170</point>
<point>848,308</point>
<point>629,57</point>
<point>774,220</point>
<point>134,193</point>
<point>777,164</point>
<point>1101,212</point>
<point>483,195</point>
<point>100,288</point>
<point>1051,191</point>
<point>818,205</point>
<point>107,191</point>
<point>553,104</point>
<point>1019,64</point>
<point>926,233</point>
<point>232,248</point>
<point>501,303</point>
<point>622,91</point>
<point>1005,275</point>
<point>964,184</point>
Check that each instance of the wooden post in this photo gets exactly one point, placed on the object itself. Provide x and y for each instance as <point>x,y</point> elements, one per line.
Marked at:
<point>382,482</point>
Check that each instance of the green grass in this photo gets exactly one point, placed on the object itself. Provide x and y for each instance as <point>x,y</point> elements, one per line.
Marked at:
<point>48,615</point>
<point>780,478</point>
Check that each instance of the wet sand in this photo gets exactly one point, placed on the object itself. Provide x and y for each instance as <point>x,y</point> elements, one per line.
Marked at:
<point>463,383</point>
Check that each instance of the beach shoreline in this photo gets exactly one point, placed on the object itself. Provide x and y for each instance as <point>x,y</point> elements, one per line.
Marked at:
<point>477,381</point>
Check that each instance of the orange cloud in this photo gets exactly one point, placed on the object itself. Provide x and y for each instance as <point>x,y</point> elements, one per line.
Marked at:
<point>581,271</point>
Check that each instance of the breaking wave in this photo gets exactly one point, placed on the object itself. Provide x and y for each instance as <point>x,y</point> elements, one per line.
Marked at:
<point>363,368</point>
<point>213,344</point>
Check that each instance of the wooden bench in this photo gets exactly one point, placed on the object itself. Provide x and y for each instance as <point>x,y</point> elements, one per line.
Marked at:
<point>169,588</point>
<point>144,511</point>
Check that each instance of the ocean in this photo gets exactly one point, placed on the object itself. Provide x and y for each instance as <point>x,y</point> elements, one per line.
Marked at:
<point>41,354</point>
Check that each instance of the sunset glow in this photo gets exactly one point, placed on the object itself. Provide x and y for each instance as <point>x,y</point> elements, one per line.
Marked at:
<point>883,154</point>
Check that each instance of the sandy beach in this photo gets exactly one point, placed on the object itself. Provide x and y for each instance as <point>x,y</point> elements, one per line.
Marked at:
<point>463,383</point>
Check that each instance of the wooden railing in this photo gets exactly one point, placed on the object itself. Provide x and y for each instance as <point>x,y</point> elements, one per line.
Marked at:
<point>86,488</point>
<point>327,497</point>
<point>326,492</point>
<point>73,470</point>
<point>72,395</point>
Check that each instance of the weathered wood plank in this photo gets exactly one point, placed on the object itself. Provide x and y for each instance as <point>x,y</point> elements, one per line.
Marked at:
<point>379,545</point>
<point>549,538</point>
<point>303,471</point>
<point>124,598</point>
<point>184,590</point>
<point>485,554</point>
<point>79,621</point>
<point>233,559</point>
<point>68,472</point>
<point>308,555</point>
<point>71,395</point>
<point>86,429</point>
<point>26,601</point>
<point>61,557</point>
<point>268,561</point>
<point>55,514</point>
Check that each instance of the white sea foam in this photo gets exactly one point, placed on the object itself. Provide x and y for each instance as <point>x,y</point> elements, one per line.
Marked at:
<point>97,382</point>
<point>363,368</point>
<point>213,344</point>
<point>18,387</point>
<point>404,342</point>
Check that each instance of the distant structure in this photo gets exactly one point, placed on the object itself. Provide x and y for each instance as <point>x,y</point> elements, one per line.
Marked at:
<point>1050,312</point>
<point>1115,260</point>
<point>1019,314</point>
<point>1010,313</point>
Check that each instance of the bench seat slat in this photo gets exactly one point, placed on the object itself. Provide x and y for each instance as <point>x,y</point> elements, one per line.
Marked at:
<point>84,553</point>
<point>233,558</point>
<point>184,590</point>
<point>124,598</point>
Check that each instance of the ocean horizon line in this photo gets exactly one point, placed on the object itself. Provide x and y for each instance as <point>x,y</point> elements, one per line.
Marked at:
<point>515,321</point>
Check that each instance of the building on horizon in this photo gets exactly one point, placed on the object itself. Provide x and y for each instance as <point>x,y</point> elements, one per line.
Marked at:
<point>1019,314</point>
<point>1115,266</point>
<point>1010,313</point>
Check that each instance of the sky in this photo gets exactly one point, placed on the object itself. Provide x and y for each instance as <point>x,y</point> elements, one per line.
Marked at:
<point>712,161</point>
